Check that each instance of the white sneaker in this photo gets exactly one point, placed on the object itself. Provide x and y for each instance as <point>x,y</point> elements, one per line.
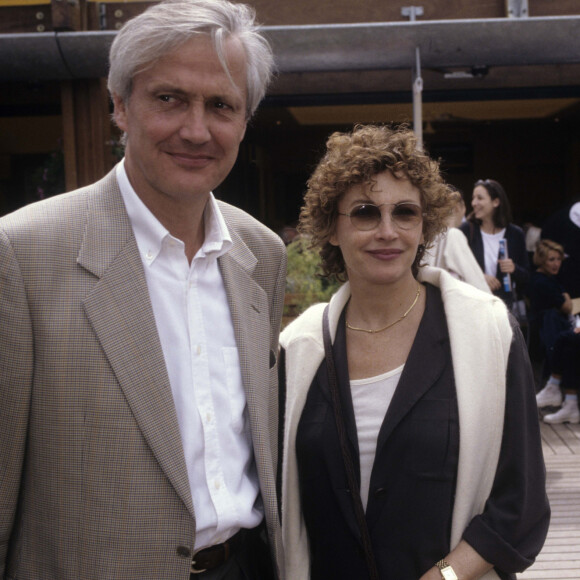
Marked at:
<point>549,396</point>
<point>569,413</point>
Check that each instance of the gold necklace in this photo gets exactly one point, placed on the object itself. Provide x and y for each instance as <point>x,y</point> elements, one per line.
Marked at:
<point>392,323</point>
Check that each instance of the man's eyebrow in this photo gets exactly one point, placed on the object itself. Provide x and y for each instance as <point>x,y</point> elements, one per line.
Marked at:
<point>167,88</point>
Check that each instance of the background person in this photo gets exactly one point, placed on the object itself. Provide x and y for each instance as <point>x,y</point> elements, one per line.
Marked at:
<point>563,227</point>
<point>565,375</point>
<point>139,331</point>
<point>489,223</point>
<point>434,384</point>
<point>550,310</point>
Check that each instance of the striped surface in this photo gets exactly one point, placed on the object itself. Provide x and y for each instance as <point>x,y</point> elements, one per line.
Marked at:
<point>560,557</point>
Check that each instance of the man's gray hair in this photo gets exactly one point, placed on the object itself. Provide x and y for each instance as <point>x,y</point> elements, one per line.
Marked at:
<point>163,27</point>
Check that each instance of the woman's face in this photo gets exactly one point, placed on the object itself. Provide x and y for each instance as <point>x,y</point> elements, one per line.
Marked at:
<point>552,263</point>
<point>385,253</point>
<point>482,204</point>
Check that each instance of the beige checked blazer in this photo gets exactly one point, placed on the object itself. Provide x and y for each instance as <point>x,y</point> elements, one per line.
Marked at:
<point>93,483</point>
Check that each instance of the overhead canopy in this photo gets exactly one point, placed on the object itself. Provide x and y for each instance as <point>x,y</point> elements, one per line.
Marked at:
<point>332,47</point>
<point>443,43</point>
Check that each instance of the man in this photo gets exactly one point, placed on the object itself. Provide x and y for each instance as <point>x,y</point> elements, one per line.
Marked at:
<point>139,322</point>
<point>563,227</point>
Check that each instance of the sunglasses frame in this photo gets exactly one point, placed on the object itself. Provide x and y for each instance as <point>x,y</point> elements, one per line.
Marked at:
<point>394,221</point>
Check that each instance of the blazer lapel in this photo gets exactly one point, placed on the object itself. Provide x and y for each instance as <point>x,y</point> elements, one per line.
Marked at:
<point>250,315</point>
<point>120,312</point>
<point>423,367</point>
<point>335,463</point>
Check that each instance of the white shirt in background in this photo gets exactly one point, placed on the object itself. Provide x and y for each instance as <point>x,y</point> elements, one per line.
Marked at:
<point>491,250</point>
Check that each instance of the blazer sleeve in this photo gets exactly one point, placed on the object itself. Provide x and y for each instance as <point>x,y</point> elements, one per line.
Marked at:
<point>16,370</point>
<point>513,527</point>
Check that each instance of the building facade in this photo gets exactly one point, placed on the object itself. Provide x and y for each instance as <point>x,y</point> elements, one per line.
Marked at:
<point>500,95</point>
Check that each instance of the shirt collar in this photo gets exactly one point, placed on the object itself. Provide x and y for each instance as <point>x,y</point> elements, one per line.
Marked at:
<point>150,233</point>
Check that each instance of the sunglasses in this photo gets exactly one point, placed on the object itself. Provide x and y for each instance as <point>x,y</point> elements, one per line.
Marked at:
<point>368,216</point>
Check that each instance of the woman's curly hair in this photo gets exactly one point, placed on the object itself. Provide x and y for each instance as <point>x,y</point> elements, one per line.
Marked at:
<point>357,157</point>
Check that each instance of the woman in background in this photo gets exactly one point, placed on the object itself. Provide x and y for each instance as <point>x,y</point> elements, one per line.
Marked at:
<point>488,224</point>
<point>423,459</point>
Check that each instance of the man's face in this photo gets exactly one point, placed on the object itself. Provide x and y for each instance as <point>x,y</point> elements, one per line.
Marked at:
<point>184,121</point>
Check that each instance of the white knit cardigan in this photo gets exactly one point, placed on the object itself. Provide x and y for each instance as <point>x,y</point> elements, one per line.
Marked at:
<point>480,337</point>
<point>451,252</point>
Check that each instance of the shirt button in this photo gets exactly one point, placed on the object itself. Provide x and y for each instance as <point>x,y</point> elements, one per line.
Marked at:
<point>149,255</point>
<point>217,484</point>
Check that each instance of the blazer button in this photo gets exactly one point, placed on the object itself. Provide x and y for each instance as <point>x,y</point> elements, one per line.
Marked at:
<point>183,552</point>
<point>380,491</point>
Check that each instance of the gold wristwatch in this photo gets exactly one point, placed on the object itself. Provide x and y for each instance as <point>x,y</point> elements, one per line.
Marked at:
<point>447,572</point>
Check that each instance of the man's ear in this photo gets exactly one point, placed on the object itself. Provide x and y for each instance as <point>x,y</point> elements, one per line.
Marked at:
<point>120,112</point>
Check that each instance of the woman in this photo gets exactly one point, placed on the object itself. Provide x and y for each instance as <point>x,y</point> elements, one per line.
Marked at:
<point>550,310</point>
<point>486,226</point>
<point>427,369</point>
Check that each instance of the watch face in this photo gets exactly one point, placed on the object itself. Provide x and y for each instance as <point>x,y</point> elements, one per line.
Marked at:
<point>448,573</point>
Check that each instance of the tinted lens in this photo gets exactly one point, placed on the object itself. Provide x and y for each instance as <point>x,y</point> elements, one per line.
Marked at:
<point>406,215</point>
<point>365,217</point>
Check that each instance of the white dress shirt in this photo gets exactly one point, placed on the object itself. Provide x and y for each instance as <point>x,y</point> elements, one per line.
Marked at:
<point>197,336</point>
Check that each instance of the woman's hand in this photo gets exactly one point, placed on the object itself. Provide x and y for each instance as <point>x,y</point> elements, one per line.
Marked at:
<point>465,561</point>
<point>493,283</point>
<point>507,266</point>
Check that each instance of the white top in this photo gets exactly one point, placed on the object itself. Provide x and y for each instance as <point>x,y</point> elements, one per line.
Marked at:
<point>371,399</point>
<point>197,337</point>
<point>533,236</point>
<point>491,250</point>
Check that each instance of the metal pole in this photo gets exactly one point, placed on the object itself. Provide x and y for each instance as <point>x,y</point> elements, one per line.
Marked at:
<point>418,100</point>
<point>517,9</point>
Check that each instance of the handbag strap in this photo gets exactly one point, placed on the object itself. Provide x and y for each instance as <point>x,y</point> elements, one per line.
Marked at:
<point>346,455</point>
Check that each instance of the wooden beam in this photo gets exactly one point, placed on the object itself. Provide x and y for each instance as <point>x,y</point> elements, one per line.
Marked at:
<point>86,131</point>
<point>66,15</point>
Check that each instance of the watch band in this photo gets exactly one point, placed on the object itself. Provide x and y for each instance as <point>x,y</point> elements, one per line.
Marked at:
<point>447,572</point>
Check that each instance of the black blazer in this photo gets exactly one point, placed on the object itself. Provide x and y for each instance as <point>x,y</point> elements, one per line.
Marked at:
<point>516,242</point>
<point>413,483</point>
